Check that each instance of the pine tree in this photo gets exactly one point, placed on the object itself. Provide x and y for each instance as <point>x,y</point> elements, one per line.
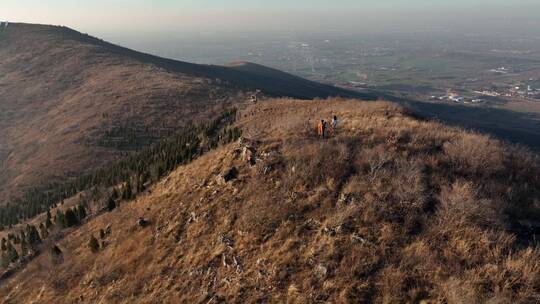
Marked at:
<point>81,212</point>
<point>143,179</point>
<point>70,218</point>
<point>32,236</point>
<point>55,250</point>
<point>59,219</point>
<point>56,255</point>
<point>21,238</point>
<point>12,254</point>
<point>93,244</point>
<point>114,194</point>
<point>43,231</point>
<point>16,239</point>
<point>127,192</point>
<point>150,163</point>
<point>111,204</point>
<point>48,222</point>
<point>25,249</point>
<point>4,260</point>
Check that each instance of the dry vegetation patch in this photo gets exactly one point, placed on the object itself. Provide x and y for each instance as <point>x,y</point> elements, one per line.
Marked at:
<point>390,209</point>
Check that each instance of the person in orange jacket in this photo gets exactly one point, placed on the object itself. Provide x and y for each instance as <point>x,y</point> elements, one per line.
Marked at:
<point>321,128</point>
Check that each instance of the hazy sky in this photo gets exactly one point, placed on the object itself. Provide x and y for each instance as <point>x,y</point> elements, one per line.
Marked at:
<point>99,16</point>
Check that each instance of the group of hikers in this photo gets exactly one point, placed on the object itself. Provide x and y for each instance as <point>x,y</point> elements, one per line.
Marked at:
<point>325,129</point>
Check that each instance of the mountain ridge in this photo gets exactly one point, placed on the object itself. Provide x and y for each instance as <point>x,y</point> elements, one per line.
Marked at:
<point>388,209</point>
<point>70,102</point>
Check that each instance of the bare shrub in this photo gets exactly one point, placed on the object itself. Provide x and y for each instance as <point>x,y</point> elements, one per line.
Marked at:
<point>263,215</point>
<point>410,182</point>
<point>456,291</point>
<point>372,162</point>
<point>511,280</point>
<point>461,206</point>
<point>475,154</point>
<point>393,285</point>
<point>314,163</point>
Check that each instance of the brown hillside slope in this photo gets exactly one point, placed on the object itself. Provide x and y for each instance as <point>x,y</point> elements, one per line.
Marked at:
<point>68,101</point>
<point>389,210</point>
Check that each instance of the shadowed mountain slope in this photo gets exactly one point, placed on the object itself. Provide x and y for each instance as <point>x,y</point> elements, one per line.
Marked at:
<point>70,102</point>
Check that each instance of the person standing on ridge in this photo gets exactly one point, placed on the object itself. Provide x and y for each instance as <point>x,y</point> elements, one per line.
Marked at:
<point>321,128</point>
<point>333,125</point>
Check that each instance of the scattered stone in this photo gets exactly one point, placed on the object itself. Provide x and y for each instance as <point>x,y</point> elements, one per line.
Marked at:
<point>357,238</point>
<point>265,169</point>
<point>224,261</point>
<point>293,290</point>
<point>345,199</point>
<point>249,155</point>
<point>226,240</point>
<point>320,272</point>
<point>142,222</point>
<point>230,174</point>
<point>108,230</point>
<point>312,224</point>
<point>333,230</point>
<point>196,272</point>
<point>192,218</point>
<point>56,255</point>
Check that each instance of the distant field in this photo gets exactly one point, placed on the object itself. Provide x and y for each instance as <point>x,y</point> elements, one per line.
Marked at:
<point>523,106</point>
<point>438,59</point>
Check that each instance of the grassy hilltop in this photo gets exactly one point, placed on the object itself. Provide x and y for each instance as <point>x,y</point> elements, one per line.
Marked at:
<point>390,209</point>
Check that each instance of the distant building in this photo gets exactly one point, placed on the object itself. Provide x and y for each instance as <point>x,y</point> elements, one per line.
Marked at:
<point>501,70</point>
<point>457,98</point>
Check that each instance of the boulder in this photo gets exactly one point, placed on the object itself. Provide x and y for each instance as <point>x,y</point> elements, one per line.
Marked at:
<point>320,272</point>
<point>142,222</point>
<point>108,230</point>
<point>230,174</point>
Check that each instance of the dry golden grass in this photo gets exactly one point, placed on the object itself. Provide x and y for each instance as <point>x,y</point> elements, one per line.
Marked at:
<point>389,210</point>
